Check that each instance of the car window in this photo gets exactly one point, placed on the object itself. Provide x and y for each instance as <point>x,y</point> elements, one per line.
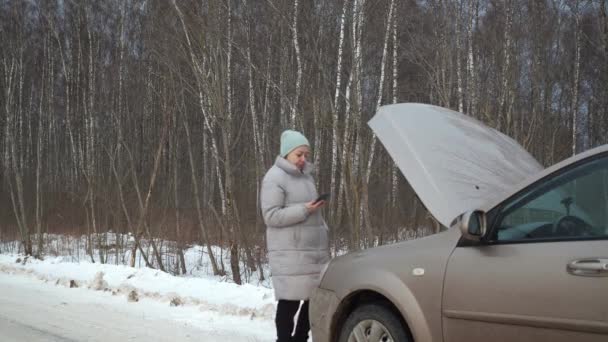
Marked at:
<point>566,205</point>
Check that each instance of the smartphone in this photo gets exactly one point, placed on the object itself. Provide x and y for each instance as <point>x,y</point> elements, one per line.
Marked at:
<point>323,197</point>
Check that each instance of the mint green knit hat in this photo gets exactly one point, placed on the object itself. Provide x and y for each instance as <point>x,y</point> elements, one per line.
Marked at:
<point>290,140</point>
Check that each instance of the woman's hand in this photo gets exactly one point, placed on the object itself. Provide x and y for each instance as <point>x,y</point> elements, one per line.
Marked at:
<point>314,206</point>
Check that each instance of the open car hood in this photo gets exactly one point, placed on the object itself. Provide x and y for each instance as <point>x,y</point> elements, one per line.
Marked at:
<point>453,162</point>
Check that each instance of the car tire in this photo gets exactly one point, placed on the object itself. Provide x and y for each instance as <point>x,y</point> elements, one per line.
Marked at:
<point>374,323</point>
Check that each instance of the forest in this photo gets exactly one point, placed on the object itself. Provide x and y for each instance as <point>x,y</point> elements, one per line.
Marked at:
<point>154,121</point>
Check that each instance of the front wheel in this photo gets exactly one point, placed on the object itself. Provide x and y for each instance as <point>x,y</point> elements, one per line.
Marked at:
<point>373,323</point>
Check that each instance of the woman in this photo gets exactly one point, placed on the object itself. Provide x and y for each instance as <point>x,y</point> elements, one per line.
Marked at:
<point>296,234</point>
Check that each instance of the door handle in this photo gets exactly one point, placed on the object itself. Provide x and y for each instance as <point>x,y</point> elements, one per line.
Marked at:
<point>590,267</point>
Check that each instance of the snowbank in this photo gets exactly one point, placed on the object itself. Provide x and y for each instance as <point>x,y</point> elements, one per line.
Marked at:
<point>207,292</point>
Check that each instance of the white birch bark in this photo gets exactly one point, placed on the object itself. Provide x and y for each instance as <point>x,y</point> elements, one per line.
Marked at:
<point>317,124</point>
<point>79,92</point>
<point>228,132</point>
<point>335,116</point>
<point>506,51</point>
<point>442,53</point>
<point>13,82</point>
<point>67,81</point>
<point>181,263</point>
<point>358,18</point>
<point>90,143</point>
<point>372,148</point>
<point>604,33</point>
<point>296,46</point>
<point>231,212</point>
<point>346,148</point>
<point>199,71</point>
<point>38,202</point>
<point>576,116</point>
<point>121,70</point>
<point>472,77</point>
<point>257,138</point>
<point>457,17</point>
<point>283,115</point>
<point>394,179</point>
<point>317,120</point>
<point>265,116</point>
<point>364,206</point>
<point>199,68</point>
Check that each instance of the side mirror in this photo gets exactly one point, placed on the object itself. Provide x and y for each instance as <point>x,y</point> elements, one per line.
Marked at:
<point>473,225</point>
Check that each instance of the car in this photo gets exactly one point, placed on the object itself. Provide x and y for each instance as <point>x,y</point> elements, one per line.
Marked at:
<point>523,256</point>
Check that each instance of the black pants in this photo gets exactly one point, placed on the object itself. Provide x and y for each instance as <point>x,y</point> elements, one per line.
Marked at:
<point>286,311</point>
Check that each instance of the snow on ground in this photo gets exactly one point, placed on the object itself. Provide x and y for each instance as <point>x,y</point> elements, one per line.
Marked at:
<point>31,310</point>
<point>198,264</point>
<point>223,305</point>
<point>206,292</point>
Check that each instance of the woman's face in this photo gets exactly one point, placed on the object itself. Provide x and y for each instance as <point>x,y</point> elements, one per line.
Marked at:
<point>299,156</point>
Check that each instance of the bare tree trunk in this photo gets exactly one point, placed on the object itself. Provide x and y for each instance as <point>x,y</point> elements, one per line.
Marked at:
<point>504,76</point>
<point>91,167</point>
<point>283,115</point>
<point>296,45</point>
<point>13,81</point>
<point>335,117</point>
<point>137,233</point>
<point>394,179</point>
<point>178,229</point>
<point>141,226</point>
<point>457,18</point>
<point>443,58</point>
<point>358,20</point>
<point>209,123</point>
<point>604,73</point>
<point>536,102</point>
<point>205,234</point>
<point>265,115</point>
<point>123,205</point>
<point>231,208</point>
<point>364,209</point>
<point>67,81</point>
<point>577,122</point>
<point>258,143</point>
<point>346,166</point>
<point>39,245</point>
<point>473,11</point>
<point>121,71</point>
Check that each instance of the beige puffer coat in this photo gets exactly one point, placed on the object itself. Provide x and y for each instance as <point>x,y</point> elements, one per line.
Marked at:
<point>297,241</point>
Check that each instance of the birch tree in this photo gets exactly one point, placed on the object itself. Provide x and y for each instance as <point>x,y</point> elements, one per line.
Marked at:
<point>199,73</point>
<point>336,108</point>
<point>85,89</point>
<point>364,209</point>
<point>577,120</point>
<point>395,45</point>
<point>13,88</point>
<point>473,13</point>
<point>296,46</point>
<point>506,66</point>
<point>457,19</point>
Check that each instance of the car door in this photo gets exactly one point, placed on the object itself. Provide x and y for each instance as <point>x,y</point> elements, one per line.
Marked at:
<point>541,274</point>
